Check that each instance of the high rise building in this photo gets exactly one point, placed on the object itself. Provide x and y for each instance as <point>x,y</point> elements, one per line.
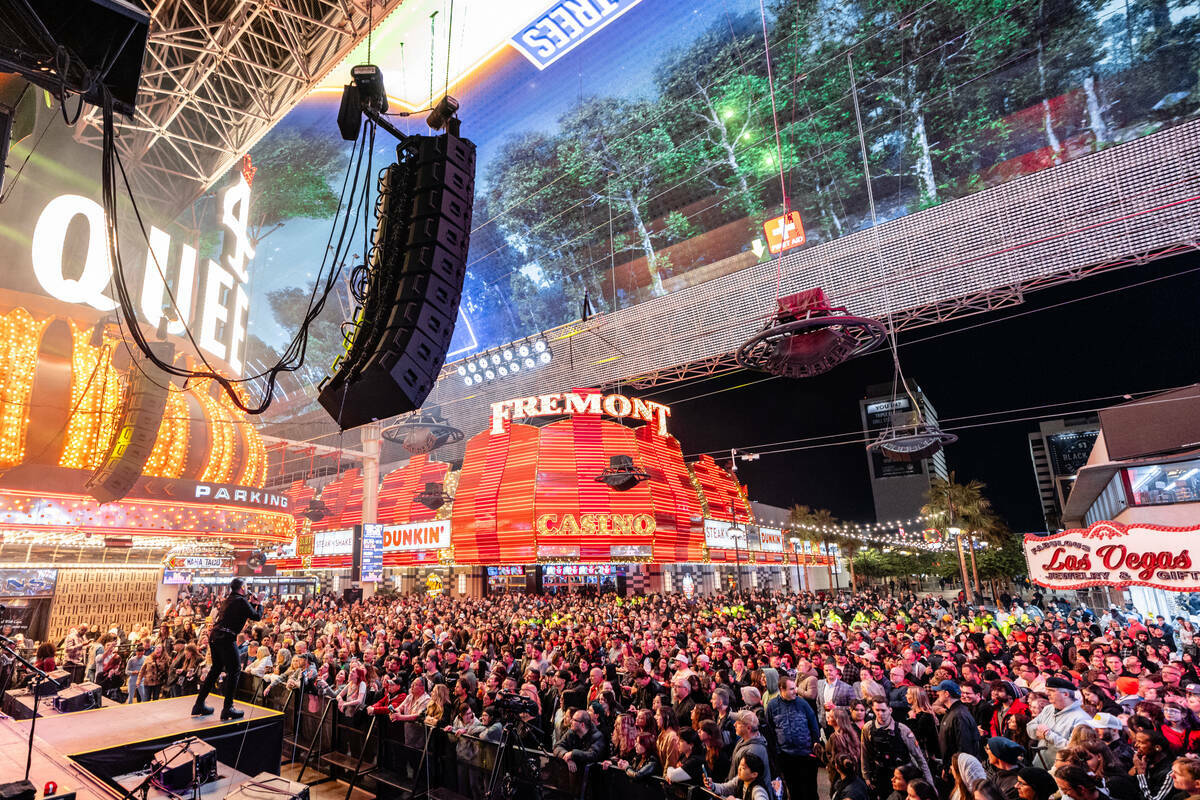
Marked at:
<point>1059,447</point>
<point>899,488</point>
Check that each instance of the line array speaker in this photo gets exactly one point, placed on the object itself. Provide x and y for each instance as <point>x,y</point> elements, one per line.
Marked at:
<point>136,431</point>
<point>416,269</point>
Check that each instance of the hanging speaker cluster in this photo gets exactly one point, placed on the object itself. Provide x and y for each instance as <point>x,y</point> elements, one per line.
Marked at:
<point>142,408</point>
<point>622,474</point>
<point>423,433</point>
<point>414,281</point>
<point>909,438</point>
<point>433,496</point>
<point>806,336</point>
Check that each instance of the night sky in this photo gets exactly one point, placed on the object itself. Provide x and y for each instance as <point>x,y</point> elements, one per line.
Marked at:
<point>1134,339</point>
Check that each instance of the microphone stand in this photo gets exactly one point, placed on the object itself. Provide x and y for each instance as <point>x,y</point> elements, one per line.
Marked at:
<point>36,678</point>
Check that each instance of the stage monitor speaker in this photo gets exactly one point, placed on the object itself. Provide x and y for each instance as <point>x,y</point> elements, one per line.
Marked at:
<point>181,764</point>
<point>417,266</point>
<point>264,785</point>
<point>18,790</point>
<point>83,46</point>
<point>59,679</point>
<point>79,697</point>
<point>136,431</point>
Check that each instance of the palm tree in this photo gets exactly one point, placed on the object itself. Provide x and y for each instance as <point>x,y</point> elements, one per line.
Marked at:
<point>811,524</point>
<point>964,506</point>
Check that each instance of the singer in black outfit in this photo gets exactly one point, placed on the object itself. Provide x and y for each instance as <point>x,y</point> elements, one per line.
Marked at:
<point>223,645</point>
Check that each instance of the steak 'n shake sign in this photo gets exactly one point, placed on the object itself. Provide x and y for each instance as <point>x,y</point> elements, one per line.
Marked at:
<point>569,403</point>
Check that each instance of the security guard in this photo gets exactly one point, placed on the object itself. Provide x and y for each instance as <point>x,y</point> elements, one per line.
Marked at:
<point>223,643</point>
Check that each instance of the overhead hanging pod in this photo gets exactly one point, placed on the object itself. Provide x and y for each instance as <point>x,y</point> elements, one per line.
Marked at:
<point>622,474</point>
<point>909,437</point>
<point>807,336</point>
<point>433,496</point>
<point>423,433</point>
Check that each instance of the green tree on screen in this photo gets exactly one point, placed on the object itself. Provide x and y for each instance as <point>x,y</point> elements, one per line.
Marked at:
<point>716,94</point>
<point>293,179</point>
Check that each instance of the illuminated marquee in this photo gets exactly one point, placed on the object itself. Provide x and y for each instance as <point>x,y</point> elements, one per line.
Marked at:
<point>433,535</point>
<point>220,307</point>
<point>593,403</point>
<point>596,524</point>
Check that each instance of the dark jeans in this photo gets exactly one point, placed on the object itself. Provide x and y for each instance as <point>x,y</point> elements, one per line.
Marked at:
<point>152,692</point>
<point>225,659</point>
<point>799,774</point>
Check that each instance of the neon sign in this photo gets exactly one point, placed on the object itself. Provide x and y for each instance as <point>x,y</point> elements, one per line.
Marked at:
<point>220,315</point>
<point>594,403</point>
<point>596,524</point>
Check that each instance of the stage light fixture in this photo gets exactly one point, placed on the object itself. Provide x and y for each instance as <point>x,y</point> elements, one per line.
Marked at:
<point>495,359</point>
<point>503,370</point>
<point>539,346</point>
<point>442,115</point>
<point>514,366</point>
<point>508,354</point>
<point>462,371</point>
<point>544,358</point>
<point>490,375</point>
<point>467,380</point>
<point>523,350</point>
<point>529,363</point>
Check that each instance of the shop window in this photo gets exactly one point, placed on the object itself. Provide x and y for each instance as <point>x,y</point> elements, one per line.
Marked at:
<point>1164,484</point>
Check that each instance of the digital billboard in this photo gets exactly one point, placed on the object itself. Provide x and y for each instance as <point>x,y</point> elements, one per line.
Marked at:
<point>626,149</point>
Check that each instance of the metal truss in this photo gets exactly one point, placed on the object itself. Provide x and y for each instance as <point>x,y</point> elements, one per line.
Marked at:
<point>953,308</point>
<point>1124,206</point>
<point>216,76</point>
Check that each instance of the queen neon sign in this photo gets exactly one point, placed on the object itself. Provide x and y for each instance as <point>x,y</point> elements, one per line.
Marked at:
<point>569,403</point>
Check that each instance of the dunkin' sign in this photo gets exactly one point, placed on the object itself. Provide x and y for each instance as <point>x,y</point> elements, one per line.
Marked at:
<point>433,535</point>
<point>1112,554</point>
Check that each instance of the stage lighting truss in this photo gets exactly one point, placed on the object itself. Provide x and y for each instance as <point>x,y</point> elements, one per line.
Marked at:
<point>622,474</point>
<point>423,433</point>
<point>807,336</point>
<point>433,496</point>
<point>908,437</point>
<point>504,362</point>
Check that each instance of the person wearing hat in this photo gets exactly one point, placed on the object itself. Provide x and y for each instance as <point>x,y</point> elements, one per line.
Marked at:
<point>1051,729</point>
<point>1111,731</point>
<point>1004,757</point>
<point>234,613</point>
<point>1035,783</point>
<point>958,732</point>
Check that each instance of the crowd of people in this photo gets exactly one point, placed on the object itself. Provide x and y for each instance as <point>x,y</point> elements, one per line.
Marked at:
<point>892,697</point>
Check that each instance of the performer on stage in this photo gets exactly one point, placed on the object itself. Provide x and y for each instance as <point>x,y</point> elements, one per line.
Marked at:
<point>223,645</point>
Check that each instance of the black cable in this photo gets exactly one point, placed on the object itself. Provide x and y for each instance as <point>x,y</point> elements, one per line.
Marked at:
<point>293,358</point>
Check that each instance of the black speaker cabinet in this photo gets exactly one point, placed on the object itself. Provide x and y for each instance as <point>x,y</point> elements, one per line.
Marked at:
<point>78,697</point>
<point>185,762</point>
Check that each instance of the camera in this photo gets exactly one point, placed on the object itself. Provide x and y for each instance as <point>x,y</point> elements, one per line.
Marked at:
<point>514,703</point>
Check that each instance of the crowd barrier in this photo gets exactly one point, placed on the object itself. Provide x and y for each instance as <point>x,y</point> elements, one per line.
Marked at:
<point>392,759</point>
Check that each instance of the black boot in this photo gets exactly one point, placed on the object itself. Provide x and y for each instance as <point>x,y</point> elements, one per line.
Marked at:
<point>232,713</point>
<point>199,709</point>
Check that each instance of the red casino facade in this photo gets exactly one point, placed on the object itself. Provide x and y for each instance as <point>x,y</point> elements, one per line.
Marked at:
<point>528,512</point>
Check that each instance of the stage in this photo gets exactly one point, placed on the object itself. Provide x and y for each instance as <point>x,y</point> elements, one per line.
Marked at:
<point>89,750</point>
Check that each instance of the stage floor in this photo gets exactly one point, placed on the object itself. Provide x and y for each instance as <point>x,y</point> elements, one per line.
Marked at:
<point>106,728</point>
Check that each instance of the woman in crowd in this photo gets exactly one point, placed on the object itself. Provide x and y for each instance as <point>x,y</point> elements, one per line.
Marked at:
<point>922,722</point>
